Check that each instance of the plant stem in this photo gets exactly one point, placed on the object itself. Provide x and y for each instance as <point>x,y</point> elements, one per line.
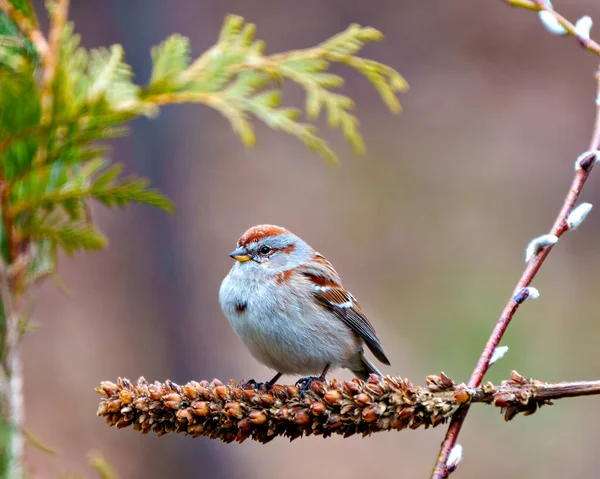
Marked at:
<point>542,6</point>
<point>30,30</point>
<point>440,470</point>
<point>14,391</point>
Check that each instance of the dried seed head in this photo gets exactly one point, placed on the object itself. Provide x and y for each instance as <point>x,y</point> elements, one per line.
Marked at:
<point>257,417</point>
<point>362,399</point>
<point>461,396</point>
<point>503,399</point>
<point>369,414</point>
<point>266,400</point>
<point>172,400</point>
<point>232,413</point>
<point>333,397</point>
<point>185,415</point>
<point>221,391</point>
<point>292,391</point>
<point>233,410</point>
<point>114,406</point>
<point>317,408</point>
<point>351,388</point>
<point>200,408</point>
<point>125,396</point>
<point>155,392</point>
<point>374,388</point>
<point>302,417</point>
<point>251,396</point>
<point>510,413</point>
<point>447,383</point>
<point>190,391</point>
<point>107,388</point>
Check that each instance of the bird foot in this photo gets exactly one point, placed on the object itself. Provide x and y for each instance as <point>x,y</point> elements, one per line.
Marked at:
<point>252,384</point>
<point>306,382</point>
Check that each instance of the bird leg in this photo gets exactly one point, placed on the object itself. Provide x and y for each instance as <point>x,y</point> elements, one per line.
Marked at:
<point>308,380</point>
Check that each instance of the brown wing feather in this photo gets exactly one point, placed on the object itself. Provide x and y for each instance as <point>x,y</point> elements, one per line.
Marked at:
<point>332,295</point>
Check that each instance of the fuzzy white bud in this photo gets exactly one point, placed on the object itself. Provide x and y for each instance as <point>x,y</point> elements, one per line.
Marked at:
<point>550,22</point>
<point>583,26</point>
<point>499,353</point>
<point>526,293</point>
<point>538,244</point>
<point>577,216</point>
<point>454,457</point>
<point>533,292</point>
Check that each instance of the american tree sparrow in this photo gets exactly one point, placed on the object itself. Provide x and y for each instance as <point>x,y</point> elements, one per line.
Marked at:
<point>287,304</point>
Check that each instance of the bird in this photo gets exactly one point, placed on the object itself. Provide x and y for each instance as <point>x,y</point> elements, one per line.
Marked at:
<point>288,306</point>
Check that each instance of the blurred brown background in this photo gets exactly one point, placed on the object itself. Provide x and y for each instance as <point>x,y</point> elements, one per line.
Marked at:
<point>428,231</point>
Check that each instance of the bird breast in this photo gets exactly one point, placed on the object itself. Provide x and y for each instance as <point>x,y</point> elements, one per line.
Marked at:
<point>282,325</point>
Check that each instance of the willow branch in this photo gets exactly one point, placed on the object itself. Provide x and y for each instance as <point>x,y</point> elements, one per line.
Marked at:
<point>542,6</point>
<point>560,226</point>
<point>236,412</point>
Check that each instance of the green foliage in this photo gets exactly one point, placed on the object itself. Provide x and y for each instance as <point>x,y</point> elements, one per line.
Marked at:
<point>24,6</point>
<point>59,103</point>
<point>53,164</point>
<point>236,78</point>
<point>5,432</point>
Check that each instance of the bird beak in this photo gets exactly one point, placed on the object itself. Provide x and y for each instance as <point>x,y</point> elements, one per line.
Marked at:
<point>240,255</point>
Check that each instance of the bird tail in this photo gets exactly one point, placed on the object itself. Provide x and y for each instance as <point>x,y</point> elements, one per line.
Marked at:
<point>365,368</point>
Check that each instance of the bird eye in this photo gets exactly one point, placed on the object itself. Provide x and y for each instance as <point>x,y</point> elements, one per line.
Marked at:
<point>265,250</point>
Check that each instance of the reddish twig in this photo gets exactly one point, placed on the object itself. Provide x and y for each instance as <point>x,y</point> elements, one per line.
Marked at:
<point>559,227</point>
<point>542,6</point>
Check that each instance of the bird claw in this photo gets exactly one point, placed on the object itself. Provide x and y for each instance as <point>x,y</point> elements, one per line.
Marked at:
<point>307,381</point>
<point>252,384</point>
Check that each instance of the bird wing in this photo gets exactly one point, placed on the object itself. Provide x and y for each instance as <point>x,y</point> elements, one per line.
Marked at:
<point>330,293</point>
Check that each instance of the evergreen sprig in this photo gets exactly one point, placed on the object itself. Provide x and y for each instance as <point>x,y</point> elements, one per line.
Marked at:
<point>236,78</point>
<point>60,102</point>
<point>52,162</point>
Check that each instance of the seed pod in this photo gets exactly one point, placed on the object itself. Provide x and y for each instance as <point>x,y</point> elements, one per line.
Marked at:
<point>266,400</point>
<point>257,417</point>
<point>333,397</point>
<point>461,396</point>
<point>172,400</point>
<point>190,391</point>
<point>362,399</point>
<point>233,410</point>
<point>317,408</point>
<point>200,408</point>
<point>302,417</point>
<point>126,396</point>
<point>185,415</point>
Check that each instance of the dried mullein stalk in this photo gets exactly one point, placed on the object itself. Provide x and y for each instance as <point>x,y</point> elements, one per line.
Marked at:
<point>236,412</point>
